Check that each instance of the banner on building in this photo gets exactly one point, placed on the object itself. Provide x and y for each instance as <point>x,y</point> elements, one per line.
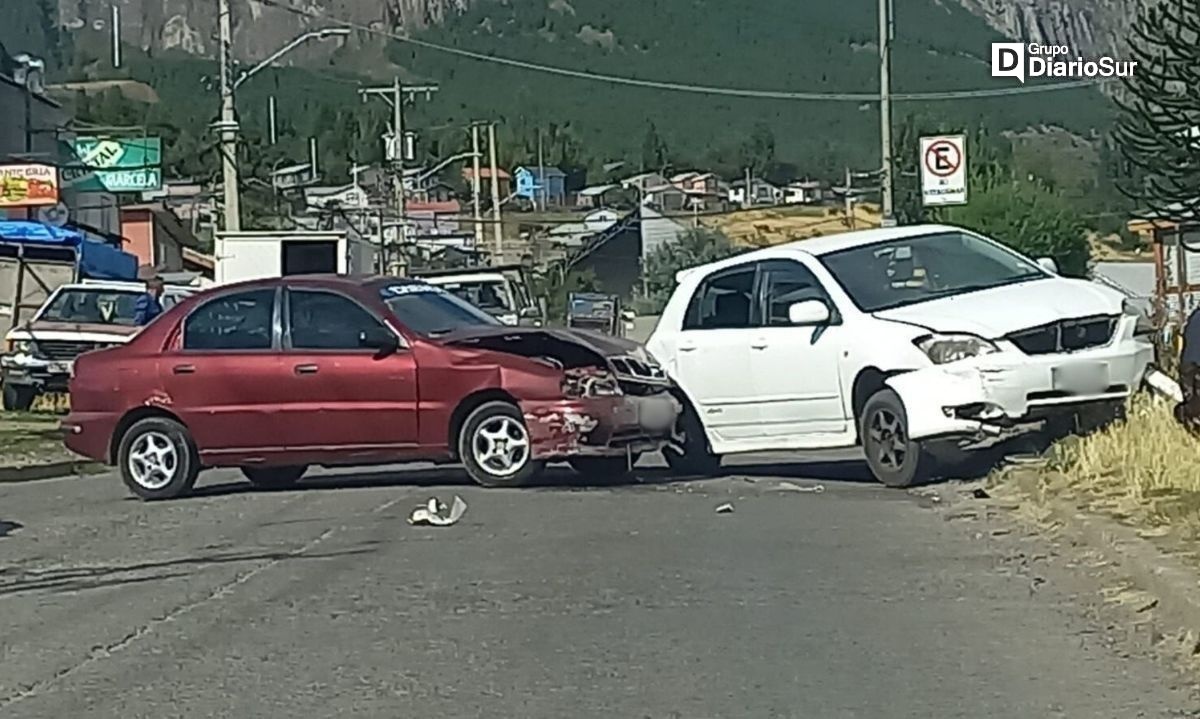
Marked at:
<point>115,165</point>
<point>28,185</point>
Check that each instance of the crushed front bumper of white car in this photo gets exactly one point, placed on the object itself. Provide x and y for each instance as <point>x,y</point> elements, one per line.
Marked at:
<point>991,394</point>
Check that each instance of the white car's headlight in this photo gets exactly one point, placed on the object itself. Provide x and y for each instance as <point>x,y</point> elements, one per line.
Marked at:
<point>1144,325</point>
<point>20,347</point>
<point>953,347</point>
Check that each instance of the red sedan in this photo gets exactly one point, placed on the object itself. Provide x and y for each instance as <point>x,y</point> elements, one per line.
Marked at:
<point>273,376</point>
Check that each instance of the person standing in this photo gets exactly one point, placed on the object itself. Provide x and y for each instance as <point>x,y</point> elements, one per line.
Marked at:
<point>1187,412</point>
<point>149,305</point>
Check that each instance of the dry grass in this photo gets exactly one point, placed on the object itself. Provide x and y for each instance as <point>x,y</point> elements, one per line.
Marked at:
<point>1144,472</point>
<point>772,226</point>
<point>27,438</point>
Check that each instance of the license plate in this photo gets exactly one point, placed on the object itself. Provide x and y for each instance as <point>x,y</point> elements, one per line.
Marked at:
<point>60,367</point>
<point>1080,378</point>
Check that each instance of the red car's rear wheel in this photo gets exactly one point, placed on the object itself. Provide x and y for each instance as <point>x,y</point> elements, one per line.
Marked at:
<point>157,459</point>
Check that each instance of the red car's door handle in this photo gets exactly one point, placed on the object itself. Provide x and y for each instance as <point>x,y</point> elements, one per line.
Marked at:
<point>184,369</point>
<point>306,369</point>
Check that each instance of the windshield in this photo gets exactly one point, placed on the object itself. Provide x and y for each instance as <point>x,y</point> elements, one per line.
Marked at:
<point>431,311</point>
<point>92,307</point>
<point>488,295</point>
<point>903,272</point>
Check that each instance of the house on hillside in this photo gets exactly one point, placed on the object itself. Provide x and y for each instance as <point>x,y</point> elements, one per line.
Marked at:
<point>534,183</point>
<point>434,218</point>
<point>761,193</point>
<point>803,192</point>
<point>700,183</point>
<point>504,179</point>
<point>342,196</point>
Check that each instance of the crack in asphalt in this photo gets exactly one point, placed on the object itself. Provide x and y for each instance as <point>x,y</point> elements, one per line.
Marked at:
<point>116,647</point>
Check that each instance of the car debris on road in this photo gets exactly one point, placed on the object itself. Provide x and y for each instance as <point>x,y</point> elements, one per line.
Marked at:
<point>726,508</point>
<point>434,513</point>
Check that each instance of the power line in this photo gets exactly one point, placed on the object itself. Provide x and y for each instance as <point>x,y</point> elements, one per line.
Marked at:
<point>858,97</point>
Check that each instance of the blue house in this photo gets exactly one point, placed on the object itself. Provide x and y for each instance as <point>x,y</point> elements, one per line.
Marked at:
<point>529,184</point>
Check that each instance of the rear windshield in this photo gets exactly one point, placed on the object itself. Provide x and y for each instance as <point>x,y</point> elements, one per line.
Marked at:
<point>488,295</point>
<point>431,311</point>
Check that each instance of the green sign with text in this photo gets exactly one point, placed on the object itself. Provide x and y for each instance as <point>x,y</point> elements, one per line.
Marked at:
<point>115,165</point>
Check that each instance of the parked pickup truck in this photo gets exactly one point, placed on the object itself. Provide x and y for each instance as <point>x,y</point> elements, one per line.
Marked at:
<point>76,318</point>
<point>502,292</point>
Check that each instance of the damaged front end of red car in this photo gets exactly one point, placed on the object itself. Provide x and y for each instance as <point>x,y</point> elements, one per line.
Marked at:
<point>615,400</point>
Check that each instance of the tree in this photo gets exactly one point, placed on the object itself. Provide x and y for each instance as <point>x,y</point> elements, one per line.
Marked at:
<point>1028,217</point>
<point>758,152</point>
<point>654,150</point>
<point>697,247</point>
<point>1158,131</point>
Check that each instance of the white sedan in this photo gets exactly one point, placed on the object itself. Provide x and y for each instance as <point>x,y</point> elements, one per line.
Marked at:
<point>920,343</point>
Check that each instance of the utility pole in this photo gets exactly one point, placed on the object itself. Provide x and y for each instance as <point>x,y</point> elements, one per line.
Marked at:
<point>228,126</point>
<point>541,172</point>
<point>849,199</point>
<point>271,110</point>
<point>885,108</point>
<point>400,145</point>
<point>746,198</point>
<point>395,150</point>
<point>475,185</point>
<point>498,228</point>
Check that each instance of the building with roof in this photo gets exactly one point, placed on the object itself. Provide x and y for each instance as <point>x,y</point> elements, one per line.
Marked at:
<point>538,183</point>
<point>485,180</point>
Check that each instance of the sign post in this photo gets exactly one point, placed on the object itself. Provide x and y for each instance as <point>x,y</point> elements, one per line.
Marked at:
<point>944,170</point>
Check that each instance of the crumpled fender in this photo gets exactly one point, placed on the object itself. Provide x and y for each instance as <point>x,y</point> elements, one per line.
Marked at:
<point>925,392</point>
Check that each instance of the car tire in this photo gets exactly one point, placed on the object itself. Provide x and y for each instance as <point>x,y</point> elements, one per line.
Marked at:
<point>603,470</point>
<point>894,458</point>
<point>157,459</point>
<point>495,447</point>
<point>274,477</point>
<point>18,399</point>
<point>689,453</point>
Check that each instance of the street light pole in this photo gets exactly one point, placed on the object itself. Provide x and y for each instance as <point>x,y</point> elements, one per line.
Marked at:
<point>885,109</point>
<point>228,126</point>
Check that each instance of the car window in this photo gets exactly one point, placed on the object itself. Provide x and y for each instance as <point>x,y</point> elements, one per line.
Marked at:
<point>487,295</point>
<point>321,320</point>
<point>723,301</point>
<point>239,321</point>
<point>902,272</point>
<point>786,282</point>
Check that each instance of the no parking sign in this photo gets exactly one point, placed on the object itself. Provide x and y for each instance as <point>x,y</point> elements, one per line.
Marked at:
<point>944,170</point>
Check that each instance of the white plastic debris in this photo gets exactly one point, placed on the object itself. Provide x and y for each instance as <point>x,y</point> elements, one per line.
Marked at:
<point>726,508</point>
<point>793,487</point>
<point>434,513</point>
<point>1164,385</point>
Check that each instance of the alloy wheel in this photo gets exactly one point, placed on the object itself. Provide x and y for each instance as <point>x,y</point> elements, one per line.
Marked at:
<point>501,446</point>
<point>153,460</point>
<point>889,439</point>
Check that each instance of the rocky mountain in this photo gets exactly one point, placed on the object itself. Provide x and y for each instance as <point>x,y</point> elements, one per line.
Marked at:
<point>189,25</point>
<point>1087,26</point>
<point>259,29</point>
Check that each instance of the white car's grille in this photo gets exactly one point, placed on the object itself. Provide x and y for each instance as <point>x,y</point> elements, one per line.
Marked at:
<point>61,350</point>
<point>1066,336</point>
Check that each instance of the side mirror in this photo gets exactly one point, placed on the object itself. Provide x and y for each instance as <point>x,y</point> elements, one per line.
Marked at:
<point>379,339</point>
<point>628,315</point>
<point>1048,264</point>
<point>809,313</point>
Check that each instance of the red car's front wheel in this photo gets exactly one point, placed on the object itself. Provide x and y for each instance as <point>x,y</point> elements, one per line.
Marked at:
<point>495,447</point>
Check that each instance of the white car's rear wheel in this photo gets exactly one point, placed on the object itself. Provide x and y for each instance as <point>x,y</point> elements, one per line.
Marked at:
<point>894,458</point>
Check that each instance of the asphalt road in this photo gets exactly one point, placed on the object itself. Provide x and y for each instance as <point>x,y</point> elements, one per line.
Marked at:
<point>560,601</point>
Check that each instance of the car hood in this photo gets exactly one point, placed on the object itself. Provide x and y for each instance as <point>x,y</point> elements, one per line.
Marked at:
<point>571,348</point>
<point>73,331</point>
<point>1000,311</point>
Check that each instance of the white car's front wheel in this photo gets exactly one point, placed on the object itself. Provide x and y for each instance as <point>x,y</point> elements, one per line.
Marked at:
<point>895,459</point>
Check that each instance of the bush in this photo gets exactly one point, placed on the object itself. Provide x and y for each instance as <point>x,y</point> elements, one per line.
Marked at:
<point>1030,218</point>
<point>697,247</point>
